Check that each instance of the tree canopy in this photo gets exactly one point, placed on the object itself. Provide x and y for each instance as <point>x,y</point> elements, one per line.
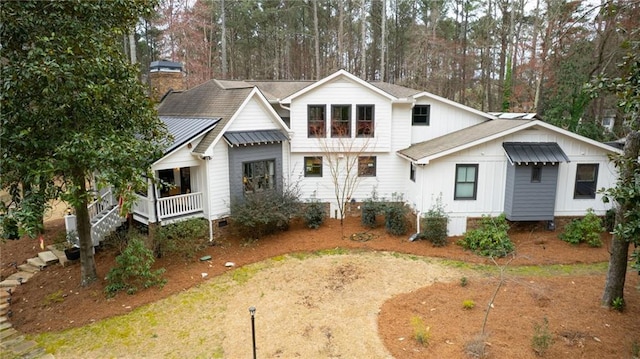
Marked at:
<point>73,109</point>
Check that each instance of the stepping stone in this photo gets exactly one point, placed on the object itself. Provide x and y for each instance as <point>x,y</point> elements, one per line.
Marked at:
<point>7,334</point>
<point>48,257</point>
<point>26,267</point>
<point>4,326</point>
<point>36,353</point>
<point>23,347</point>
<point>9,283</point>
<point>24,275</point>
<point>3,319</point>
<point>4,307</point>
<point>59,254</point>
<point>4,294</point>
<point>37,262</point>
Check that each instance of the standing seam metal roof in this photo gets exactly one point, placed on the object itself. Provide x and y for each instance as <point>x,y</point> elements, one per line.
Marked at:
<point>534,152</point>
<point>184,129</point>
<point>240,138</point>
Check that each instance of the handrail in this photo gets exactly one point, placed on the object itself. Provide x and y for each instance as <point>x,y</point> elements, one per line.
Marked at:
<point>96,207</point>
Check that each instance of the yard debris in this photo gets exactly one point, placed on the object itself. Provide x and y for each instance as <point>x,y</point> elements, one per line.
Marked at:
<point>229,264</point>
<point>205,258</point>
<point>204,275</point>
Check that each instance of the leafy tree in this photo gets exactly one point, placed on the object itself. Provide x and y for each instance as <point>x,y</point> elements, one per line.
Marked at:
<point>73,108</point>
<point>626,194</point>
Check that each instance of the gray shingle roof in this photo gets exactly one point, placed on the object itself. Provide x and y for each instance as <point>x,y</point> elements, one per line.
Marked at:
<point>455,139</point>
<point>207,100</point>
<point>184,129</point>
<point>534,152</point>
<point>395,90</point>
<point>243,138</point>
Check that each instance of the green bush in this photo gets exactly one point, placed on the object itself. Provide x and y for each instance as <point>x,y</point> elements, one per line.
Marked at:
<point>490,238</point>
<point>395,217</point>
<point>262,213</point>
<point>314,214</point>
<point>586,229</point>
<point>184,238</point>
<point>133,270</point>
<point>542,337</point>
<point>434,225</point>
<point>371,207</point>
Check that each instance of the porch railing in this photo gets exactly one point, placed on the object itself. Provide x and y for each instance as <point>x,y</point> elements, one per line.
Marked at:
<point>100,205</point>
<point>179,205</point>
<point>105,224</point>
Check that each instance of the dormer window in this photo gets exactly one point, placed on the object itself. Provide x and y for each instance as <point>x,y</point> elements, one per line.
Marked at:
<point>421,115</point>
<point>341,121</point>
<point>316,120</point>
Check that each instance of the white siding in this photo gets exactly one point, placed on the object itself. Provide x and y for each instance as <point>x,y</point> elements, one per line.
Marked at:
<point>439,177</point>
<point>253,116</point>
<point>219,181</point>
<point>341,92</point>
<point>444,119</point>
<point>182,157</point>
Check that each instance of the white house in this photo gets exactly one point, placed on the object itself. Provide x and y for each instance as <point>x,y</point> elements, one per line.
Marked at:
<point>234,137</point>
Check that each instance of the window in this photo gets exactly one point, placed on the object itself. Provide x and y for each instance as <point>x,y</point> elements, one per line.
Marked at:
<point>466,181</point>
<point>367,166</point>
<point>313,166</point>
<point>340,121</point>
<point>316,120</point>
<point>586,181</point>
<point>421,115</point>
<point>412,172</point>
<point>258,176</point>
<point>364,120</point>
<point>536,174</point>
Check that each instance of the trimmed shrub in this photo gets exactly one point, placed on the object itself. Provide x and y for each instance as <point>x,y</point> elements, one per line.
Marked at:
<point>184,238</point>
<point>586,229</point>
<point>490,239</point>
<point>263,213</point>
<point>133,270</point>
<point>434,225</point>
<point>314,214</point>
<point>395,216</point>
<point>371,207</point>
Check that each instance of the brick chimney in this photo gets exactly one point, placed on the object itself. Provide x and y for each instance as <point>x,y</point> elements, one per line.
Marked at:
<point>165,76</point>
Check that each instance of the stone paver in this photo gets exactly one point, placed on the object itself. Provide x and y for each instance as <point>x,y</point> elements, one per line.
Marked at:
<point>48,257</point>
<point>24,275</point>
<point>9,283</point>
<point>37,262</point>
<point>26,267</point>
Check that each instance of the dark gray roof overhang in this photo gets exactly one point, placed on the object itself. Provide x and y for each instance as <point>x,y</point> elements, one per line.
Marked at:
<point>245,138</point>
<point>534,152</point>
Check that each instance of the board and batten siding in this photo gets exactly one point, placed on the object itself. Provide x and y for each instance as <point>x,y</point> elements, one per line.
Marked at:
<point>530,201</point>
<point>443,119</point>
<point>253,116</point>
<point>341,91</point>
<point>242,154</point>
<point>439,177</point>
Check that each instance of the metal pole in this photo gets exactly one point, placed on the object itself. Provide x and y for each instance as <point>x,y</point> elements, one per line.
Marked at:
<point>252,310</point>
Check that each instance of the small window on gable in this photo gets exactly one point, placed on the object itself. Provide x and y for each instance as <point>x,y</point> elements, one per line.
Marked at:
<point>421,115</point>
<point>367,166</point>
<point>412,172</point>
<point>536,174</point>
<point>466,182</point>
<point>313,166</point>
<point>316,121</point>
<point>364,120</point>
<point>341,121</point>
<point>586,181</point>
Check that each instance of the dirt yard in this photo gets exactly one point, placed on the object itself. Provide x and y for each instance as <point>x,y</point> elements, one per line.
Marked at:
<point>360,304</point>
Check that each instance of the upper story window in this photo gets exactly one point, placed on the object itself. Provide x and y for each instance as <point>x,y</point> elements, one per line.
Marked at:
<point>313,166</point>
<point>421,115</point>
<point>466,182</point>
<point>586,180</point>
<point>340,121</point>
<point>536,174</point>
<point>258,175</point>
<point>364,120</point>
<point>367,166</point>
<point>316,120</point>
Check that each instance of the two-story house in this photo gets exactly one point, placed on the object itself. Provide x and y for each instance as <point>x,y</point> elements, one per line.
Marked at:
<point>234,137</point>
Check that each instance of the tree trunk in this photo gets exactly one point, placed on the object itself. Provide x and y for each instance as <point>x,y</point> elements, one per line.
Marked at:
<point>88,273</point>
<point>316,33</point>
<point>223,41</point>
<point>383,39</point>
<point>363,43</point>
<point>616,273</point>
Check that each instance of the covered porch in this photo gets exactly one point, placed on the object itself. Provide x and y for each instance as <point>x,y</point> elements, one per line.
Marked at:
<point>174,195</point>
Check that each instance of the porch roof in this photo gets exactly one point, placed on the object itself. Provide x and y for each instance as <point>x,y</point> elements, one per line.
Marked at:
<point>244,138</point>
<point>534,152</point>
<point>183,129</point>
